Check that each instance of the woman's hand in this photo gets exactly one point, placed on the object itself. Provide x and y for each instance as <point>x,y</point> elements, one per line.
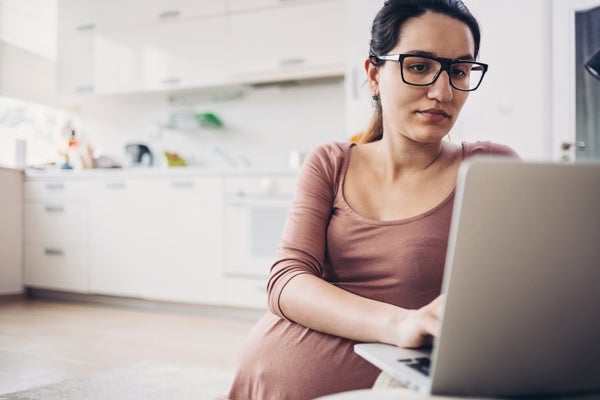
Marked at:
<point>418,327</point>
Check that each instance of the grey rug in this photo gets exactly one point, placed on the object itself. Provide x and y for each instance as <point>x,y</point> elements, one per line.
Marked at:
<point>145,380</point>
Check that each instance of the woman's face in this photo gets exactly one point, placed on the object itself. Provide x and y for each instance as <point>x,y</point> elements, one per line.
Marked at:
<point>423,114</point>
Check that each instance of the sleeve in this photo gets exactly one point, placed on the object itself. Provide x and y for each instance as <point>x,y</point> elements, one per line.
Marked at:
<point>489,149</point>
<point>302,247</point>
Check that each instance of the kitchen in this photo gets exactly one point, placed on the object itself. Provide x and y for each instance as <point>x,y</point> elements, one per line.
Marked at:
<point>115,73</point>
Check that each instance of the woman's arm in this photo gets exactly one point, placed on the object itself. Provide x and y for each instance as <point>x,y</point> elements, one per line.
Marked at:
<point>319,305</point>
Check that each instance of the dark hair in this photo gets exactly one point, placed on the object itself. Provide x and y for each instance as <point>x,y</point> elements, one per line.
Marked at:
<point>386,30</point>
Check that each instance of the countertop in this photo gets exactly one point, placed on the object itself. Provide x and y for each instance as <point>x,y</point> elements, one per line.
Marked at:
<point>33,174</point>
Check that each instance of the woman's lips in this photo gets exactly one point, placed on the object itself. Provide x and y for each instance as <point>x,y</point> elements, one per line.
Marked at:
<point>434,114</point>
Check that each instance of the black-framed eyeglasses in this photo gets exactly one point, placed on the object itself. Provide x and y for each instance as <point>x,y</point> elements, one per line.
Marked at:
<point>418,70</point>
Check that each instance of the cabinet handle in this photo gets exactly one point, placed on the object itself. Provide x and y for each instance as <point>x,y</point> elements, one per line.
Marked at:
<point>86,27</point>
<point>170,81</point>
<point>84,89</point>
<point>54,252</point>
<point>182,185</point>
<point>169,14</point>
<point>116,185</point>
<point>292,61</point>
<point>49,208</point>
<point>55,186</point>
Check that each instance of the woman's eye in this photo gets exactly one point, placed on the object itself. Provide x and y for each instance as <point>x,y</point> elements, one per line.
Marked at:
<point>459,72</point>
<point>419,67</point>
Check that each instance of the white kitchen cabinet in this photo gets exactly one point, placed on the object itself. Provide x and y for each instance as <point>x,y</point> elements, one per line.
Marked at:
<point>11,228</point>
<point>117,228</point>
<point>126,46</point>
<point>245,5</point>
<point>84,16</point>
<point>184,246</point>
<point>56,235</point>
<point>145,58</point>
<point>301,40</point>
<point>166,45</point>
<point>175,55</point>
<point>158,238</point>
<point>75,65</point>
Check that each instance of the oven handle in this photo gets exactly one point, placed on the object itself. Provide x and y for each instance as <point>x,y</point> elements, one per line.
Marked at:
<point>257,202</point>
<point>242,201</point>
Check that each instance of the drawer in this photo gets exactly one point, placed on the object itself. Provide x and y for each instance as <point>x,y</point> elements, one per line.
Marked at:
<point>246,292</point>
<point>75,190</point>
<point>266,185</point>
<point>60,268</point>
<point>56,222</point>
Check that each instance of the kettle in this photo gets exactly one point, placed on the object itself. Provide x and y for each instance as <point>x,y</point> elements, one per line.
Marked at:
<point>139,155</point>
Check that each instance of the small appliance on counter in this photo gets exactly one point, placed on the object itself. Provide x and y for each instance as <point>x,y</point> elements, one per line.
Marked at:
<point>139,155</point>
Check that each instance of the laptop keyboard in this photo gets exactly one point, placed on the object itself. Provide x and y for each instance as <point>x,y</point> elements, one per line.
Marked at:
<point>421,364</point>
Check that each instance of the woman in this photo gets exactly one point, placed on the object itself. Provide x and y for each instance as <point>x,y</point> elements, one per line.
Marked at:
<point>362,254</point>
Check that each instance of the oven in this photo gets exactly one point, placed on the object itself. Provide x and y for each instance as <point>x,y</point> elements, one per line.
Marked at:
<point>256,208</point>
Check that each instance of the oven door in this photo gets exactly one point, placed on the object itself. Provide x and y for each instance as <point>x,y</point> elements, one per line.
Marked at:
<point>253,229</point>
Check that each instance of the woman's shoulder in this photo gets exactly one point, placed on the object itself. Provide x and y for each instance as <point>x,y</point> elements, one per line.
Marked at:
<point>488,148</point>
<point>330,156</point>
<point>325,163</point>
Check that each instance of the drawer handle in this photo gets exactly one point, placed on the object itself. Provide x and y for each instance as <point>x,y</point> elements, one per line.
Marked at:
<point>54,252</point>
<point>182,185</point>
<point>116,185</point>
<point>86,27</point>
<point>84,89</point>
<point>55,186</point>
<point>292,61</point>
<point>171,81</point>
<point>54,208</point>
<point>169,14</point>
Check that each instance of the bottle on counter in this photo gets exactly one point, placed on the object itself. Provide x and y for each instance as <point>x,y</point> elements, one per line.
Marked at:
<point>74,151</point>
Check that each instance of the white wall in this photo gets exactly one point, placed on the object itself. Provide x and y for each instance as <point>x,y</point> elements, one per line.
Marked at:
<point>262,124</point>
<point>513,105</point>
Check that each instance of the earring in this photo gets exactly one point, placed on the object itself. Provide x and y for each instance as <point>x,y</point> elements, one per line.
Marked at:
<point>375,97</point>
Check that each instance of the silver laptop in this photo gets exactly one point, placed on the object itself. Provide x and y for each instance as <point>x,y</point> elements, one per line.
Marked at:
<point>522,285</point>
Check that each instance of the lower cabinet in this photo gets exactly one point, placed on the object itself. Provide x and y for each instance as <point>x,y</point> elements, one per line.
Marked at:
<point>55,224</point>
<point>157,239</point>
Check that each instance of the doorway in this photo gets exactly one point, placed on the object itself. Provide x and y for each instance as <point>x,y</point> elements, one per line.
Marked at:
<point>587,88</point>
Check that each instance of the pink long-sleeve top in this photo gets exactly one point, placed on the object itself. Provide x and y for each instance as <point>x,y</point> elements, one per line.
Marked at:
<point>398,262</point>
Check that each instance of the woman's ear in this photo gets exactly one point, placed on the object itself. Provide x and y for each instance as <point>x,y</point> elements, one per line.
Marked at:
<point>372,71</point>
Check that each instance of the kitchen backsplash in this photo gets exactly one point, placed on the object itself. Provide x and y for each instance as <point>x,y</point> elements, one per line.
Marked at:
<point>261,125</point>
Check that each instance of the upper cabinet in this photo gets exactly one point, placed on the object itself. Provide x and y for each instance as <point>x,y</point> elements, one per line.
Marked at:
<point>298,39</point>
<point>111,47</point>
<point>245,5</point>
<point>87,16</point>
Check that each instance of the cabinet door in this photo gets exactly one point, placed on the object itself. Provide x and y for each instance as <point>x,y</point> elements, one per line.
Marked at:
<point>56,222</point>
<point>178,55</point>
<point>244,5</point>
<point>296,41</point>
<point>79,16</point>
<point>159,56</point>
<point>117,226</point>
<point>56,267</point>
<point>184,244</point>
<point>75,60</point>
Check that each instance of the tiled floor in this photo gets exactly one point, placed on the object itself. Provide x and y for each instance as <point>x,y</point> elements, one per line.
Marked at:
<point>43,341</point>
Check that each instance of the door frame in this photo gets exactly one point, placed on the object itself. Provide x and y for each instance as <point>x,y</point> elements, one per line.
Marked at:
<point>563,74</point>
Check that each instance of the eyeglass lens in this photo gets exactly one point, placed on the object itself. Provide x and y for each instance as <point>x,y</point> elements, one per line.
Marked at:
<point>423,71</point>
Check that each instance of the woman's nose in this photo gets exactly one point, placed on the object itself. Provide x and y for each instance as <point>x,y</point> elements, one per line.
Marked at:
<point>441,89</point>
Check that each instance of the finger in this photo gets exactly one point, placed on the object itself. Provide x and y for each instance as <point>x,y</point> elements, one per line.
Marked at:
<point>431,324</point>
